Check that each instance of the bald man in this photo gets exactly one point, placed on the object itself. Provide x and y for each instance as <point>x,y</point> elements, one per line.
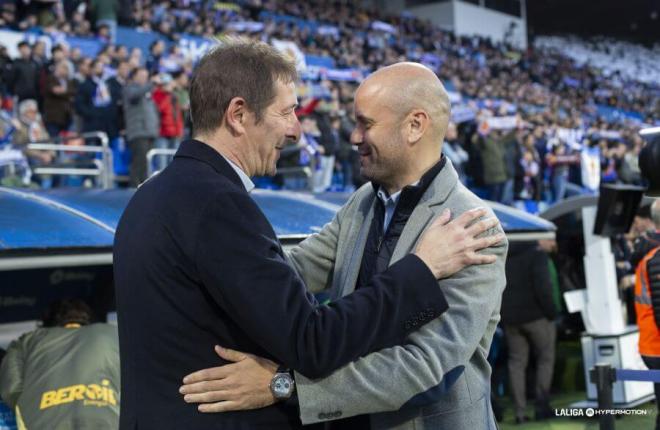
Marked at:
<point>439,379</point>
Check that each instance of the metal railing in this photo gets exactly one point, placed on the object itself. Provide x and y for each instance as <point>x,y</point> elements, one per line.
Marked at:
<point>102,169</point>
<point>305,171</point>
<point>157,152</point>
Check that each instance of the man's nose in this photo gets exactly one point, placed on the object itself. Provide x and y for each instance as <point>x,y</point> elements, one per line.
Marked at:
<point>356,137</point>
<point>295,129</point>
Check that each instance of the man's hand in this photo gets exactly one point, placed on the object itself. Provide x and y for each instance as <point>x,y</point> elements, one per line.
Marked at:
<point>447,247</point>
<point>243,384</point>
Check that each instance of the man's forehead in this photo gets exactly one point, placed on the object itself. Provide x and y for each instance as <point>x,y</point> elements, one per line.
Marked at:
<point>286,93</point>
<point>370,99</point>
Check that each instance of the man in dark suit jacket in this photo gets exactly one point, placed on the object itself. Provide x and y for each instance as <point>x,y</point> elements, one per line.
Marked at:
<point>197,263</point>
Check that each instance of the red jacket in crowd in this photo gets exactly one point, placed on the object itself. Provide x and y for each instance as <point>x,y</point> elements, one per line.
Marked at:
<point>171,118</point>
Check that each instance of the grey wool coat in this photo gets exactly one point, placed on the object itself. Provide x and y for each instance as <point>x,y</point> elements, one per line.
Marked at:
<point>439,379</point>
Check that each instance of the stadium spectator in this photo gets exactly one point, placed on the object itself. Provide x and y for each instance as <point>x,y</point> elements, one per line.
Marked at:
<point>14,166</point>
<point>171,118</point>
<point>116,85</point>
<point>455,152</point>
<point>310,154</point>
<point>7,128</point>
<point>531,164</point>
<point>528,313</point>
<point>5,69</point>
<point>94,102</point>
<point>174,61</point>
<point>64,374</point>
<point>39,53</point>
<point>30,128</point>
<point>630,172</point>
<point>558,160</point>
<point>59,93</point>
<point>57,54</point>
<point>492,147</point>
<point>181,91</point>
<point>156,50</point>
<point>341,133</point>
<point>83,70</point>
<point>24,75</point>
<point>142,122</point>
<point>121,54</point>
<point>104,13</point>
<point>329,144</point>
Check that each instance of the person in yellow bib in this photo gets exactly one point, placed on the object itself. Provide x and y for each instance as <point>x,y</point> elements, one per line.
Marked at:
<point>65,374</point>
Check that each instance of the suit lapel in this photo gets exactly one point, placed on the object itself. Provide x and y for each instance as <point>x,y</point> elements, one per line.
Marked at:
<point>354,247</point>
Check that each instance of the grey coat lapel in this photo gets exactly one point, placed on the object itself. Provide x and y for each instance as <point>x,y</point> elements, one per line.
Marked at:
<point>354,246</point>
<point>435,195</point>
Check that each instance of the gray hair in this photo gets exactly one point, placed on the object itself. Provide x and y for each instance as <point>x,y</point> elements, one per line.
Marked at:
<point>27,104</point>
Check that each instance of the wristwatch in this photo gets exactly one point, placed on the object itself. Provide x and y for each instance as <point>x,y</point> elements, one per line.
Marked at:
<point>282,385</point>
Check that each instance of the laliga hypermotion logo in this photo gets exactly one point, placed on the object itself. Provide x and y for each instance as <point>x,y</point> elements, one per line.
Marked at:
<point>591,412</point>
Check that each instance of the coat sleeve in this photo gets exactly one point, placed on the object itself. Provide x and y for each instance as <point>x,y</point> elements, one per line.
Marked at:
<point>51,83</point>
<point>133,93</point>
<point>314,258</point>
<point>11,372</point>
<point>241,264</point>
<point>418,372</point>
<point>83,102</point>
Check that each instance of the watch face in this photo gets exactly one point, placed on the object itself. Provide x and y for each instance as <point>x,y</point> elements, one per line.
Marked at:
<point>282,385</point>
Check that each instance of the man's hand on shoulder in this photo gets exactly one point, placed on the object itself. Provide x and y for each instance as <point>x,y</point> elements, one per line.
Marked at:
<point>449,246</point>
<point>241,385</point>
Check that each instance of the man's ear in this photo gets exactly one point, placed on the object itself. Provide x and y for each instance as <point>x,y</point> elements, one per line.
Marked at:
<point>236,116</point>
<point>417,123</point>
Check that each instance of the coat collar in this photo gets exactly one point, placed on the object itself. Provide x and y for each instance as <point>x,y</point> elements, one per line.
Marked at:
<point>435,195</point>
<point>441,186</point>
<point>436,184</point>
<point>200,151</point>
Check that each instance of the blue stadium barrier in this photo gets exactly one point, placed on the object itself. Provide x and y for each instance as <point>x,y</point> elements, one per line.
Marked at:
<point>604,376</point>
<point>638,375</point>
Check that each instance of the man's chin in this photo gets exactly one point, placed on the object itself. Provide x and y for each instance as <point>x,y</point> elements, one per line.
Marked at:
<point>271,172</point>
<point>366,174</point>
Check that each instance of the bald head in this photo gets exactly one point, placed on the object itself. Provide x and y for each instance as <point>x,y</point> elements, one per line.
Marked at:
<point>404,87</point>
<point>401,114</point>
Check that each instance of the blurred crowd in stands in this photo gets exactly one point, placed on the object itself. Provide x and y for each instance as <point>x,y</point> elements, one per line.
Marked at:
<point>528,126</point>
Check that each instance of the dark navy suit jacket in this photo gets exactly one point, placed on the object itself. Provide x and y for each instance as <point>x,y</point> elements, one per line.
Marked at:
<point>197,264</point>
